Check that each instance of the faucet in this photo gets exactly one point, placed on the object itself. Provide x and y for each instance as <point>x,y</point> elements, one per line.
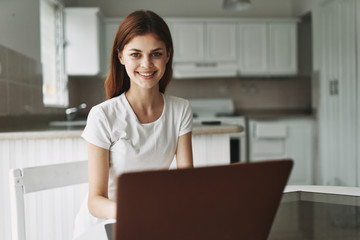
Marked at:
<point>71,113</point>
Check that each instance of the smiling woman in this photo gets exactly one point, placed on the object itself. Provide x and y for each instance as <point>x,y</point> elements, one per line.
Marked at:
<point>138,127</point>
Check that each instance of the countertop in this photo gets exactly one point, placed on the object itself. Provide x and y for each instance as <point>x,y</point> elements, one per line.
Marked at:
<point>277,114</point>
<point>44,130</point>
<point>38,126</point>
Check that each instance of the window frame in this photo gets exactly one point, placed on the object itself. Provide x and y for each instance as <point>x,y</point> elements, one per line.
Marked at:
<point>55,80</point>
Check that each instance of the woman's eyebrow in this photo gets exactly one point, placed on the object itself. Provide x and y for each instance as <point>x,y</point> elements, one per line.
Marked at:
<point>135,50</point>
<point>138,50</point>
<point>157,49</point>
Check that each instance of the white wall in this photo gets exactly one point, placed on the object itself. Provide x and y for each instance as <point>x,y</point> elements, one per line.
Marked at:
<point>300,7</point>
<point>189,8</point>
<point>20,26</point>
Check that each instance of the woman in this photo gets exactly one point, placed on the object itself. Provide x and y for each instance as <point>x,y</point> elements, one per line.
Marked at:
<point>138,127</point>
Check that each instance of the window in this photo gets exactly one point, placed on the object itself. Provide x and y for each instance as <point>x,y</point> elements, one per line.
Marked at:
<point>55,92</point>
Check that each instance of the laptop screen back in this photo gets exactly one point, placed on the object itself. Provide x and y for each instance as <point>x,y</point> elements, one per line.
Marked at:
<point>237,201</point>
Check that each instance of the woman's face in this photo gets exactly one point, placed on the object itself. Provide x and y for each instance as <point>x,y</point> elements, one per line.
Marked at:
<point>145,58</point>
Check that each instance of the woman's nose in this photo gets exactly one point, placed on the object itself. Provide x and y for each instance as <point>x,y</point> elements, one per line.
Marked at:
<point>146,61</point>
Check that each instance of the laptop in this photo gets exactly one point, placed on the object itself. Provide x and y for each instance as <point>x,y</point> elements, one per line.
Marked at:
<point>237,201</point>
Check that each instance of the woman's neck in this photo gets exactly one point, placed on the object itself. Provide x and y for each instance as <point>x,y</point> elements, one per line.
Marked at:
<point>147,104</point>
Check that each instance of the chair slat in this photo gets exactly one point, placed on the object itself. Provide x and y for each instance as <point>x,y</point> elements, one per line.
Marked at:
<point>57,175</point>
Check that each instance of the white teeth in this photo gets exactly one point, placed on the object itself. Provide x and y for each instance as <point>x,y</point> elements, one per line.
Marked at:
<point>146,74</point>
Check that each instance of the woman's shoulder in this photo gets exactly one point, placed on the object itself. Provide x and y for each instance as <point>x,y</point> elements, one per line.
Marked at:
<point>108,108</point>
<point>177,101</point>
<point>108,104</point>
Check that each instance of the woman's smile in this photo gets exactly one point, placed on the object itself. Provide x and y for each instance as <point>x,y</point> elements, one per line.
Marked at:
<point>147,74</point>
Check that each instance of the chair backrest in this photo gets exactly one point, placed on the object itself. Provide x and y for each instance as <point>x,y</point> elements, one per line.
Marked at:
<point>34,179</point>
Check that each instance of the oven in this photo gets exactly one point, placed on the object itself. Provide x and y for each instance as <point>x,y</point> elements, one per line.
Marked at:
<point>217,111</point>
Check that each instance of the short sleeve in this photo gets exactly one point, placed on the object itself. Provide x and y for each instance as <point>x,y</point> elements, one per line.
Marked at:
<point>97,130</point>
<point>186,119</point>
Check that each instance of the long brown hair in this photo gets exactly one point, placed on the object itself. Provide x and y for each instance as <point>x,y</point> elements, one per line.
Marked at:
<point>136,23</point>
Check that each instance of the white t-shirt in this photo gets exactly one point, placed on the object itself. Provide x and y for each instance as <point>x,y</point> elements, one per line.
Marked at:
<point>133,146</point>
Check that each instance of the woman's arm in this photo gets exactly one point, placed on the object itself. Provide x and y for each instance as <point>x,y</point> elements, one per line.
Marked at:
<point>99,204</point>
<point>184,157</point>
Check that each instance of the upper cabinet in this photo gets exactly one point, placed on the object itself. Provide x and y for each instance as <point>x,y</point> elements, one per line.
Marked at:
<point>234,47</point>
<point>84,43</point>
<point>253,49</point>
<point>221,42</point>
<point>202,47</point>
<point>282,48</point>
<point>203,41</point>
<point>267,48</point>
<point>188,40</point>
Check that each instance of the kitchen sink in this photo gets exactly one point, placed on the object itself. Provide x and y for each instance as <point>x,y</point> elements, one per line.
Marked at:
<point>75,123</point>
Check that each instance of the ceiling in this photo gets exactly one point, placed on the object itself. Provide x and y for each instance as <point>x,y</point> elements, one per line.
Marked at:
<point>189,8</point>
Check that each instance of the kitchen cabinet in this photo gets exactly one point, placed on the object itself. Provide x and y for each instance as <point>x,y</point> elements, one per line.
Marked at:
<point>267,48</point>
<point>284,138</point>
<point>209,150</point>
<point>338,107</point>
<point>203,41</point>
<point>84,42</point>
<point>188,41</point>
<point>204,48</point>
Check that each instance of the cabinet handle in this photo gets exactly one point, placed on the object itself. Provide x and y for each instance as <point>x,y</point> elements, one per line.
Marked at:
<point>205,64</point>
<point>331,91</point>
<point>334,87</point>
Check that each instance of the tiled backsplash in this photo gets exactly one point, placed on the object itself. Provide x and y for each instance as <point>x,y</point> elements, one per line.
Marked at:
<point>248,94</point>
<point>21,85</point>
<point>21,89</point>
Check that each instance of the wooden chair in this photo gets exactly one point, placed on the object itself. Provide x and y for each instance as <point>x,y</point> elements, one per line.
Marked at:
<point>34,179</point>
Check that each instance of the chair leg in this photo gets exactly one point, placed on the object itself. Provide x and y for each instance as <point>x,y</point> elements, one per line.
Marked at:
<point>17,205</point>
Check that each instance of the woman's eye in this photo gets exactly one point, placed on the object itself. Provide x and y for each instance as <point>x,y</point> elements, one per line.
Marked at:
<point>156,54</point>
<point>135,54</point>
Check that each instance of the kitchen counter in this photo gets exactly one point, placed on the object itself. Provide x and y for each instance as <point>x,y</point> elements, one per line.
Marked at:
<point>276,114</point>
<point>47,131</point>
<point>199,129</point>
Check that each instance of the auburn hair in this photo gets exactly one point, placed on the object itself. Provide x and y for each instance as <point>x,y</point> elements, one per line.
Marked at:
<point>136,23</point>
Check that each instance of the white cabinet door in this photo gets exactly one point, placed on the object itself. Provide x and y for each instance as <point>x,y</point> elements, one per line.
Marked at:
<point>209,150</point>
<point>199,42</point>
<point>338,106</point>
<point>221,42</point>
<point>188,41</point>
<point>253,56</point>
<point>83,34</point>
<point>284,138</point>
<point>267,48</point>
<point>282,49</point>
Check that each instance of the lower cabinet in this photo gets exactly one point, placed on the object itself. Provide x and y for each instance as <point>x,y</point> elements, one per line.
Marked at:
<point>285,138</point>
<point>209,150</point>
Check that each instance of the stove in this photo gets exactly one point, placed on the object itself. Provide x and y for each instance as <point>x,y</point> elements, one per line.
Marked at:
<point>221,111</point>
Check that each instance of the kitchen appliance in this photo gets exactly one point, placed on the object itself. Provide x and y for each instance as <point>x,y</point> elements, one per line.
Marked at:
<point>221,111</point>
<point>202,70</point>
